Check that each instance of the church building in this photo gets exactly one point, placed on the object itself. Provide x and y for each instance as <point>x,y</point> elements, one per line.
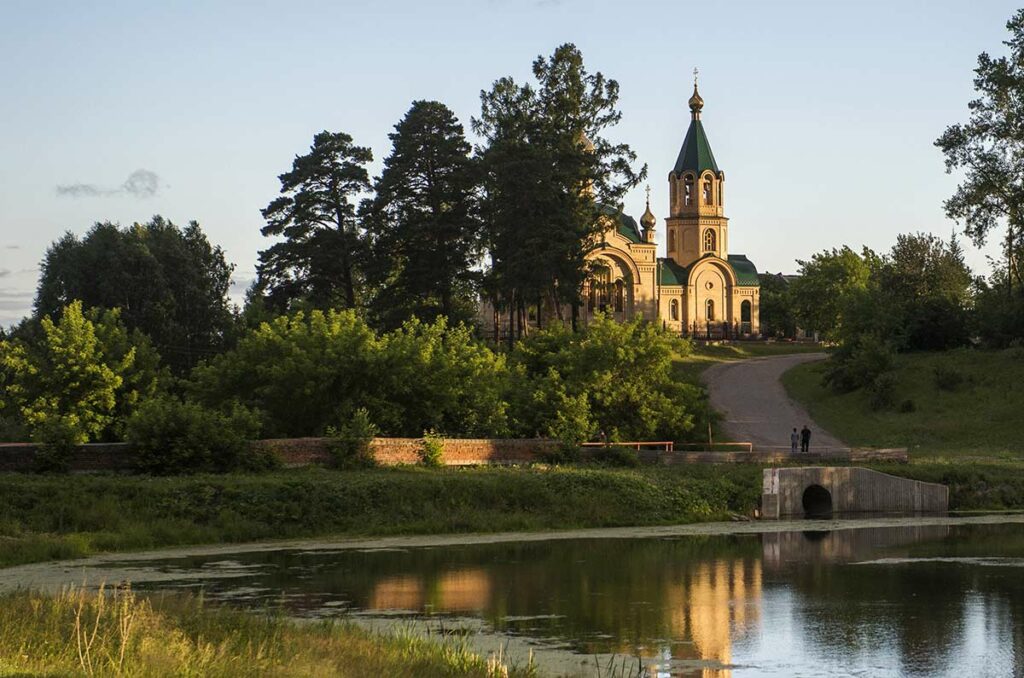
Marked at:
<point>699,289</point>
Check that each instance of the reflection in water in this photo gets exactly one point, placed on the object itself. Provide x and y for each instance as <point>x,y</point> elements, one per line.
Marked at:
<point>882,601</point>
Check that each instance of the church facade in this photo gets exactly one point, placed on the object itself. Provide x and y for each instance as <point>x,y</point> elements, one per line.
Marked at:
<point>699,288</point>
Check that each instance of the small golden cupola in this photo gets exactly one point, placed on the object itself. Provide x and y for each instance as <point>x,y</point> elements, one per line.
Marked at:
<point>648,221</point>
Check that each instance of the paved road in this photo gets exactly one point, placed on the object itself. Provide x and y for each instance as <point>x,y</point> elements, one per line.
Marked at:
<point>755,405</point>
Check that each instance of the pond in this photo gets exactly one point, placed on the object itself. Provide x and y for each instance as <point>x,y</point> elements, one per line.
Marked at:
<point>901,600</point>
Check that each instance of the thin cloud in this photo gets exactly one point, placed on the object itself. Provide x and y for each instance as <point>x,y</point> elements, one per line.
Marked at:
<point>142,183</point>
<point>4,272</point>
<point>12,247</point>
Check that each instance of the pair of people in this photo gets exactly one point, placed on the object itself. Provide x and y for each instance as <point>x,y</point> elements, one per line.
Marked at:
<point>803,439</point>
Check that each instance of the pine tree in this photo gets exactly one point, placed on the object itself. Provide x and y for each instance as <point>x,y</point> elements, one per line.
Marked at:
<point>321,256</point>
<point>549,175</point>
<point>423,221</point>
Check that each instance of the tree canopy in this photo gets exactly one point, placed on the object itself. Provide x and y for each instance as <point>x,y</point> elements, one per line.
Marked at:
<point>988,149</point>
<point>423,221</point>
<point>168,282</point>
<point>549,176</point>
<point>317,258</point>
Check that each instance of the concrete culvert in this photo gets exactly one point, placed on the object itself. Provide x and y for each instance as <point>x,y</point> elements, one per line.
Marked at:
<point>817,502</point>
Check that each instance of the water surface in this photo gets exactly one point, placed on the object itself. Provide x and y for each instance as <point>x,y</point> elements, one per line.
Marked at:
<point>932,600</point>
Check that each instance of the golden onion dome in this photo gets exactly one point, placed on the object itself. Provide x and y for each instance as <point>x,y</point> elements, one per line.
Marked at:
<point>648,220</point>
<point>696,102</point>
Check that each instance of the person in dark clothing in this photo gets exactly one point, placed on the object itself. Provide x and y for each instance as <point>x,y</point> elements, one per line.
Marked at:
<point>805,439</point>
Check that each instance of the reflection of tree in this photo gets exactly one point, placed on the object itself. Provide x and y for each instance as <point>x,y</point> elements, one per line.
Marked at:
<point>918,609</point>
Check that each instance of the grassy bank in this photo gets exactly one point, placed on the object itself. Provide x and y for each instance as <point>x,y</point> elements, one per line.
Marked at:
<point>82,634</point>
<point>963,404</point>
<point>56,517</point>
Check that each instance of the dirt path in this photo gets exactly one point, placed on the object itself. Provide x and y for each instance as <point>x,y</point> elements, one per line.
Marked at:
<point>750,395</point>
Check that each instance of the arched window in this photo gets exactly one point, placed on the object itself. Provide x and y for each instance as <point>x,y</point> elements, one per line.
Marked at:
<point>674,309</point>
<point>707,190</point>
<point>709,240</point>
<point>709,310</point>
<point>688,191</point>
<point>620,296</point>
<point>721,190</point>
<point>601,289</point>
<point>745,311</point>
<point>671,241</point>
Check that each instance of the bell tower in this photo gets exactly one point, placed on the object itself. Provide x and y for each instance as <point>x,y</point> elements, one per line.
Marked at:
<point>697,226</point>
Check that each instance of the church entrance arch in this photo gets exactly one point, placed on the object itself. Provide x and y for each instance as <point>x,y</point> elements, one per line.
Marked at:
<point>609,289</point>
<point>711,288</point>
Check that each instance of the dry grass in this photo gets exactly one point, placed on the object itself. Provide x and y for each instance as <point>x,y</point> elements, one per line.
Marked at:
<point>117,633</point>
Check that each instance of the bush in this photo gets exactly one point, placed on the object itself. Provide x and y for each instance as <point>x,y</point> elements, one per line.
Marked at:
<point>169,436</point>
<point>56,440</point>
<point>615,456</point>
<point>948,379</point>
<point>432,450</point>
<point>908,406</point>
<point>350,444</point>
<point>859,364</point>
<point>883,391</point>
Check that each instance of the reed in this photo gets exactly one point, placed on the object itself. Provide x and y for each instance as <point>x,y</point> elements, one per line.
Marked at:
<point>114,632</point>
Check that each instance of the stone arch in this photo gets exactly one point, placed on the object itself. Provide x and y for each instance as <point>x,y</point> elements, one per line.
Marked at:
<point>621,278</point>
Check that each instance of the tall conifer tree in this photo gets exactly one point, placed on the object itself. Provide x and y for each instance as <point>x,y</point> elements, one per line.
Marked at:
<point>423,220</point>
<point>319,258</point>
<point>549,175</point>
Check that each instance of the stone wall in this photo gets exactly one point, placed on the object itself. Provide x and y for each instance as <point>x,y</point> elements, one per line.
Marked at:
<point>296,452</point>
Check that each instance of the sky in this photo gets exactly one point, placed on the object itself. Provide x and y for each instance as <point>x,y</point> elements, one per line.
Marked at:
<point>823,115</point>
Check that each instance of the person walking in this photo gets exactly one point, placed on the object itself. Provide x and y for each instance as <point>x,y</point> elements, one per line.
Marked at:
<point>805,439</point>
<point>794,440</point>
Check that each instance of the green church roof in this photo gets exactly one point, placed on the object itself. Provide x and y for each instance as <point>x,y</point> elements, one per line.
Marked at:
<point>671,273</point>
<point>626,225</point>
<point>628,229</point>
<point>695,155</point>
<point>746,272</point>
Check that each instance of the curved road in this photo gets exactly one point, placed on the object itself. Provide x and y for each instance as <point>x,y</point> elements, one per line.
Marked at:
<point>750,395</point>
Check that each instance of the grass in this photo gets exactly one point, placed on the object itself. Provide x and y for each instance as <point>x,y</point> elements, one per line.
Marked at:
<point>60,517</point>
<point>975,414</point>
<point>117,633</point>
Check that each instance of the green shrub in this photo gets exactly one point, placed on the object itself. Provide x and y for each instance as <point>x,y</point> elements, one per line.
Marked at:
<point>948,379</point>
<point>169,436</point>
<point>859,364</point>
<point>350,444</point>
<point>882,391</point>
<point>432,450</point>
<point>56,440</point>
<point>615,455</point>
<point>908,406</point>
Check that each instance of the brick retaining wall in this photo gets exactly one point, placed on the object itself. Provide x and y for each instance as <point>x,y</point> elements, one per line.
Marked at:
<point>295,452</point>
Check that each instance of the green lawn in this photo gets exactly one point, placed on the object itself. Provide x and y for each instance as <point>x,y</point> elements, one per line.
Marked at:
<point>982,418</point>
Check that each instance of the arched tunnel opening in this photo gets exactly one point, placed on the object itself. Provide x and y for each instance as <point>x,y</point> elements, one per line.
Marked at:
<point>817,502</point>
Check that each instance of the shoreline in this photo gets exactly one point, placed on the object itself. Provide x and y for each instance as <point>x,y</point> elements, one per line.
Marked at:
<point>119,566</point>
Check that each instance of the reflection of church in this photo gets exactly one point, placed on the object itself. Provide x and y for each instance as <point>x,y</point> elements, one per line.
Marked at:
<point>699,288</point>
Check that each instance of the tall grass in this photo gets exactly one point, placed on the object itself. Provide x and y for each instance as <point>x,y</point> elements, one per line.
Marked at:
<point>958,405</point>
<point>44,518</point>
<point>117,633</point>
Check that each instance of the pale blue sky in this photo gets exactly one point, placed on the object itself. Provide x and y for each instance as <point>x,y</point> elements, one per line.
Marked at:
<point>822,114</point>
